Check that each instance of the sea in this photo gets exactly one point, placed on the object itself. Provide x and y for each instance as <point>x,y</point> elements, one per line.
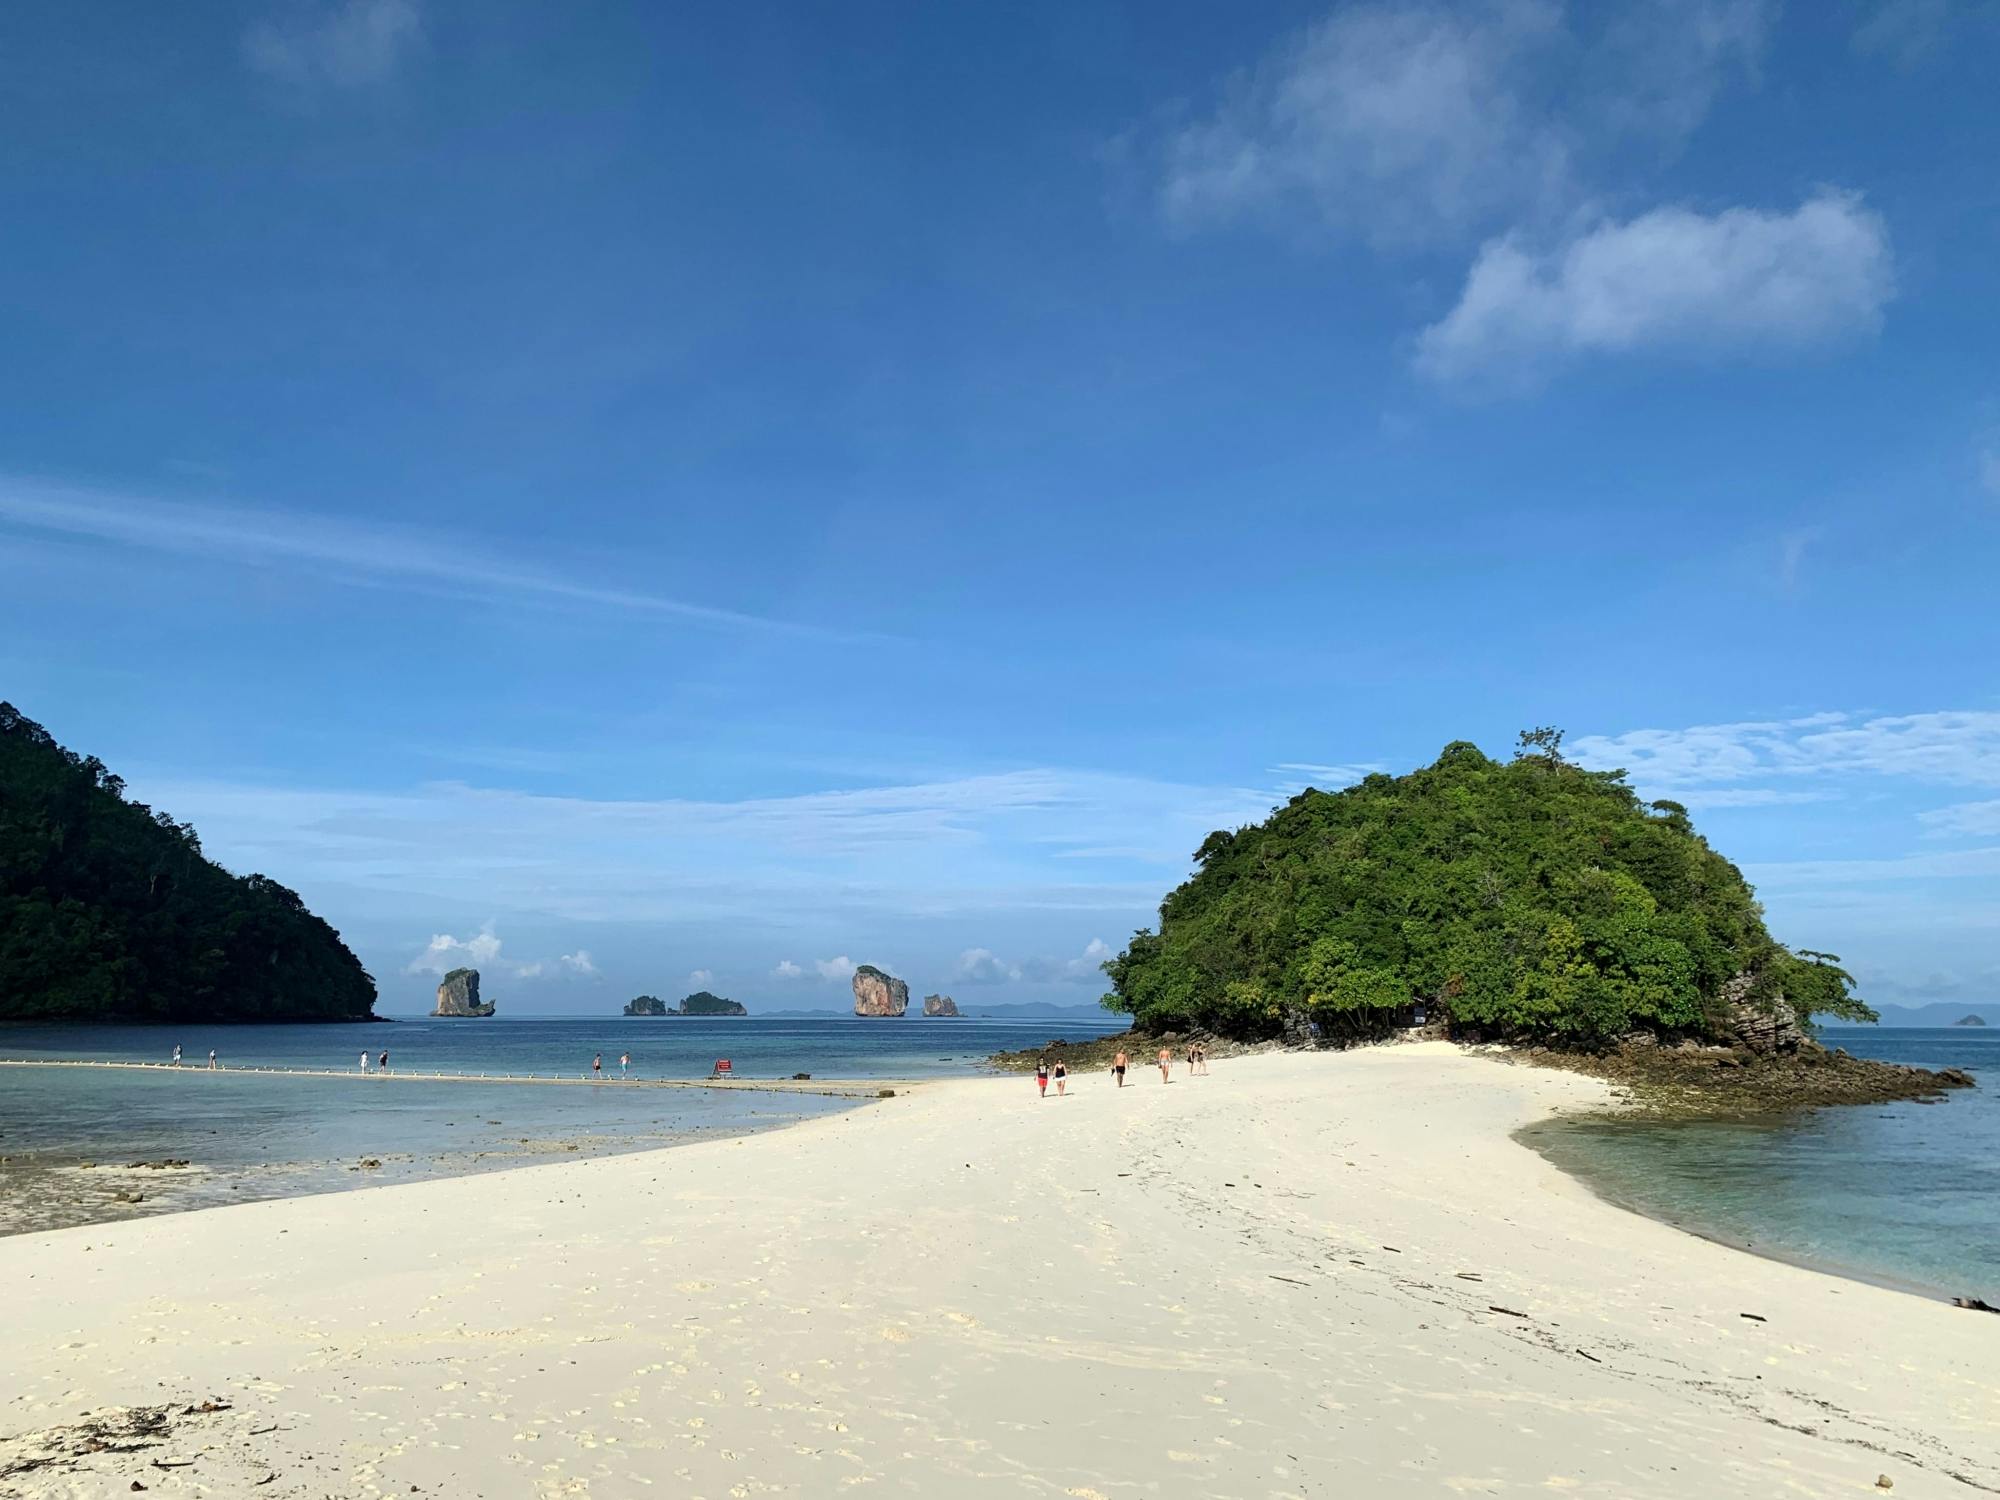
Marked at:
<point>74,1139</point>
<point>1904,1194</point>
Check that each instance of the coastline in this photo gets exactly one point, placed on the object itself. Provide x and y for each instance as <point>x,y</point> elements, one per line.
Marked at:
<point>1254,1283</point>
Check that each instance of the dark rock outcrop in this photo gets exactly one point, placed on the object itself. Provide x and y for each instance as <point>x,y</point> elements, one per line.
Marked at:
<point>647,1005</point>
<point>1970,1021</point>
<point>940,1005</point>
<point>879,994</point>
<point>459,995</point>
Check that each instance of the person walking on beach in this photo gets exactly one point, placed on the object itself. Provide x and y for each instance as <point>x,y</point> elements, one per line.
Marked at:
<point>1166,1065</point>
<point>597,1068</point>
<point>211,1057</point>
<point>177,1054</point>
<point>624,1064</point>
<point>1062,1077</point>
<point>1042,1078</point>
<point>1118,1069</point>
<point>364,1059</point>
<point>383,1062</point>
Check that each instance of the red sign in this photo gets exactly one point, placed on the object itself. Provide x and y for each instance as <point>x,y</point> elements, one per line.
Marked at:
<point>722,1065</point>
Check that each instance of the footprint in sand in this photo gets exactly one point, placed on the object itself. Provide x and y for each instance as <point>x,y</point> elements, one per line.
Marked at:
<point>896,1335</point>
<point>1084,1492</point>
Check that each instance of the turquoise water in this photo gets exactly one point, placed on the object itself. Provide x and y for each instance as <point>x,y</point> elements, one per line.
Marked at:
<point>1903,1193</point>
<point>249,1135</point>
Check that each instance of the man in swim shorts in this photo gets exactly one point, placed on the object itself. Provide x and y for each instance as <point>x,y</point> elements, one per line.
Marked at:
<point>1118,1069</point>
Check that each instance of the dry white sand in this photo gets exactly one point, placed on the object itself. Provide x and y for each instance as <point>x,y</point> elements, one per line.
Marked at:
<point>1170,1291</point>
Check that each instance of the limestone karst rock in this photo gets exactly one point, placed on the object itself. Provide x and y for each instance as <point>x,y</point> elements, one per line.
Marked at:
<point>879,994</point>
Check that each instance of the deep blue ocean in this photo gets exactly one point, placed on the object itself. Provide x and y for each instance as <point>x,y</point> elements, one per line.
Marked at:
<point>1907,1194</point>
<point>254,1135</point>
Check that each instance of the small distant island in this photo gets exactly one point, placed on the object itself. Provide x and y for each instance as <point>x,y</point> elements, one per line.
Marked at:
<point>700,1003</point>
<point>879,993</point>
<point>109,910</point>
<point>1970,1021</point>
<point>940,1005</point>
<point>458,995</point>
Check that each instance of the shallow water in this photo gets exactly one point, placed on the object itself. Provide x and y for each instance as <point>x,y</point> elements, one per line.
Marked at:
<point>257,1135</point>
<point>1905,1193</point>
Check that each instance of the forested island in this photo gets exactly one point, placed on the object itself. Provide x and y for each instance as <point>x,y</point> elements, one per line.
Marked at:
<point>1528,899</point>
<point>109,911</point>
<point>700,1003</point>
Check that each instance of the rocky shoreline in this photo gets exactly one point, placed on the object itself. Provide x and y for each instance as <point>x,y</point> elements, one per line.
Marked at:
<point>1684,1081</point>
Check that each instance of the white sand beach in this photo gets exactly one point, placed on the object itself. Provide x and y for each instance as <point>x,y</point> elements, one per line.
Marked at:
<point>1258,1283</point>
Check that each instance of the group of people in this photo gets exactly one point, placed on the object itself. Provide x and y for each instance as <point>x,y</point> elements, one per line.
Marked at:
<point>177,1055</point>
<point>381,1065</point>
<point>624,1065</point>
<point>1058,1071</point>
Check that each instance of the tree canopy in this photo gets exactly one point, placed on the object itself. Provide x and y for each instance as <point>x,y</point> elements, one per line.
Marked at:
<point>1528,898</point>
<point>110,911</point>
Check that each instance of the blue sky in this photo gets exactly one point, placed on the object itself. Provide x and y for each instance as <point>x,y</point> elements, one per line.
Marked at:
<point>644,497</point>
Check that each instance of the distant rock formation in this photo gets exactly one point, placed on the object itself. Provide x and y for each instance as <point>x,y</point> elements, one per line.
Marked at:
<point>1970,1021</point>
<point>702,1003</point>
<point>459,995</point>
<point>940,1005</point>
<point>879,994</point>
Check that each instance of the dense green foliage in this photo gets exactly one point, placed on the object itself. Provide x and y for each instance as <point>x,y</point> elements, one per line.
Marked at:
<point>646,1005</point>
<point>1530,898</point>
<point>109,911</point>
<point>702,1003</point>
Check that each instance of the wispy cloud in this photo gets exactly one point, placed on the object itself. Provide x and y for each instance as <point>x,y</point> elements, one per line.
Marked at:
<point>787,970</point>
<point>1964,820</point>
<point>330,547</point>
<point>1417,124</point>
<point>835,968</point>
<point>1906,32</point>
<point>482,950</point>
<point>1739,281</point>
<point>1955,747</point>
<point>344,44</point>
<point>983,966</point>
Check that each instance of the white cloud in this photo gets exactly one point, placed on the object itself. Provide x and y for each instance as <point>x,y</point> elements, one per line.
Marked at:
<point>579,962</point>
<point>980,966</point>
<point>1741,281</point>
<point>1966,819</point>
<point>346,551</point>
<point>1661,63</point>
<point>1413,123</point>
<point>1904,31</point>
<point>344,44</point>
<point>1399,124</point>
<point>445,952</point>
<point>835,968</point>
<point>1748,796</point>
<point>1957,747</point>
<point>786,969</point>
<point>700,977</point>
<point>983,966</point>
